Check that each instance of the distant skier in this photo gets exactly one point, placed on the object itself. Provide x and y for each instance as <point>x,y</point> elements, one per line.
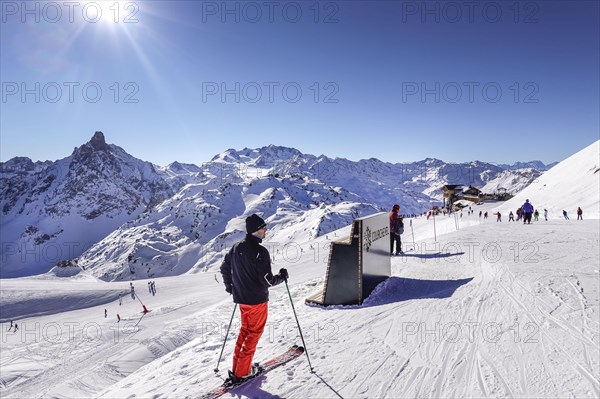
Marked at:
<point>396,230</point>
<point>519,214</point>
<point>579,213</point>
<point>511,216</point>
<point>485,215</point>
<point>11,326</point>
<point>132,292</point>
<point>527,212</point>
<point>105,313</point>
<point>546,214</point>
<point>16,328</point>
<point>247,274</point>
<point>149,287</point>
<point>479,214</point>
<point>498,217</point>
<point>118,318</point>
<point>536,215</point>
<point>565,215</point>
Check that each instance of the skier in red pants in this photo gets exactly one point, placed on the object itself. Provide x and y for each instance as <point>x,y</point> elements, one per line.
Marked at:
<point>247,274</point>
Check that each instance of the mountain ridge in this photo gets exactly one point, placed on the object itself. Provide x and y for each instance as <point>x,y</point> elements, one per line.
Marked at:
<point>100,192</point>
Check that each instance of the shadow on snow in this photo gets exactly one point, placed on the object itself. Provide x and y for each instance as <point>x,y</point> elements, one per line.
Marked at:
<point>399,289</point>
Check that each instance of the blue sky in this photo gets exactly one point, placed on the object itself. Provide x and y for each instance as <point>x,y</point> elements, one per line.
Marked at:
<point>400,81</point>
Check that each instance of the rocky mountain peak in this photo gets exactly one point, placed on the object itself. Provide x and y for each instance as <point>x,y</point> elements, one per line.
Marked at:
<point>98,142</point>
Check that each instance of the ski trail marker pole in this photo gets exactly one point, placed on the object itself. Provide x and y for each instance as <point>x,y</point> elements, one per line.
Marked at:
<point>299,329</point>
<point>225,340</point>
<point>434,232</point>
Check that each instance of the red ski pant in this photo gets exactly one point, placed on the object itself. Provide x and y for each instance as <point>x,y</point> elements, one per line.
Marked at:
<point>254,318</point>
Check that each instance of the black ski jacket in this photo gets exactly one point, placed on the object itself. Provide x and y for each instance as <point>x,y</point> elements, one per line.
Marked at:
<point>247,267</point>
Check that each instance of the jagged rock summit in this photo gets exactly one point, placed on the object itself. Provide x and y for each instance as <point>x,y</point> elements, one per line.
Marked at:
<point>98,142</point>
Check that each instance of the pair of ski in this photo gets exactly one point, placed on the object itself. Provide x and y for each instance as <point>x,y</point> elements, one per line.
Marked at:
<point>289,355</point>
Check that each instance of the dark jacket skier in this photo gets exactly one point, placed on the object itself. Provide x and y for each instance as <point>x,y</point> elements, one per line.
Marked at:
<point>247,274</point>
<point>396,229</point>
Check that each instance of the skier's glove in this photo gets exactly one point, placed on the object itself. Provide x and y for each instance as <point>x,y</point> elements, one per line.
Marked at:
<point>229,288</point>
<point>283,273</point>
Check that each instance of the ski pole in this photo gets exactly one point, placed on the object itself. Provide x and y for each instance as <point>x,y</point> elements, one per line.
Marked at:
<point>299,329</point>
<point>225,340</point>
<point>413,233</point>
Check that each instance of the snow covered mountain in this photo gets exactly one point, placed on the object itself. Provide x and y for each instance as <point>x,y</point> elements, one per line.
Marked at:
<point>53,211</point>
<point>127,218</point>
<point>539,165</point>
<point>485,309</point>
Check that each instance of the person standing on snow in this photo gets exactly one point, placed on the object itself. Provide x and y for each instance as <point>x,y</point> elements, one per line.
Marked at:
<point>536,215</point>
<point>396,229</point>
<point>579,213</point>
<point>527,212</point>
<point>546,214</point>
<point>511,216</point>
<point>247,274</point>
<point>565,215</point>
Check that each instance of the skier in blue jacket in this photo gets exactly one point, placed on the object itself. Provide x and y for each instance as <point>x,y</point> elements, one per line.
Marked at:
<point>527,212</point>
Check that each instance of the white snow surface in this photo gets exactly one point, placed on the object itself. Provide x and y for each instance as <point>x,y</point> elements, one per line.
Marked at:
<point>486,309</point>
<point>575,182</point>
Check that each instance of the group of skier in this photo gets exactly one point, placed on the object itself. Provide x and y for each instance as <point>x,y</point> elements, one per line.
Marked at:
<point>527,213</point>
<point>13,325</point>
<point>152,287</point>
<point>151,290</point>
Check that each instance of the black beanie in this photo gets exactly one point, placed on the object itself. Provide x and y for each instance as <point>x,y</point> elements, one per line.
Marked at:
<point>254,223</point>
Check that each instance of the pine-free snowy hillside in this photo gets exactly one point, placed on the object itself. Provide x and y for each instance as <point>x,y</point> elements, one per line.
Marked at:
<point>54,211</point>
<point>140,220</point>
<point>489,310</point>
<point>574,182</point>
<point>191,231</point>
